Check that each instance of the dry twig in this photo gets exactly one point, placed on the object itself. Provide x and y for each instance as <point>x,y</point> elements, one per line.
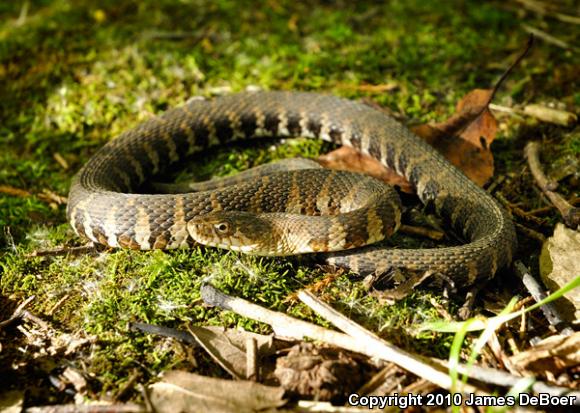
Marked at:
<point>87,408</point>
<point>570,213</point>
<point>422,232</point>
<point>374,347</point>
<point>550,311</point>
<point>548,38</point>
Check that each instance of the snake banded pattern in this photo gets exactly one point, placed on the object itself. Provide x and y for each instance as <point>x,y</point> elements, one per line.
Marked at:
<point>104,207</point>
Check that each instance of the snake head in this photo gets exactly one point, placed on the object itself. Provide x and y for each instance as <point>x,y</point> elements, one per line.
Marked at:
<point>233,230</point>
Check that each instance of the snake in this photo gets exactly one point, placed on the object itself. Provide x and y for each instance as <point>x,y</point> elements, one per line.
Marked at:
<point>107,207</point>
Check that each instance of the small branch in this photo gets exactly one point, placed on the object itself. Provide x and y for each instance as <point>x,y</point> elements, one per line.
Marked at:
<point>516,210</point>
<point>63,251</point>
<point>548,38</point>
<point>501,378</point>
<point>375,347</point>
<point>540,112</point>
<point>511,67</point>
<point>18,313</point>
<point>87,408</point>
<point>530,233</point>
<point>575,201</point>
<point>537,292</point>
<point>570,213</point>
<point>379,347</point>
<point>542,10</point>
<point>283,325</point>
<point>252,359</point>
<point>422,232</point>
<point>164,332</point>
<point>550,115</point>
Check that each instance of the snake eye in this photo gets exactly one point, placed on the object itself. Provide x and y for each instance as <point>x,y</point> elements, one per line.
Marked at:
<point>222,227</point>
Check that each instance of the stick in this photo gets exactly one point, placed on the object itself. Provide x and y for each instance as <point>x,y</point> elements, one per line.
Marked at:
<point>17,314</point>
<point>87,408</point>
<point>377,346</point>
<point>299,329</point>
<point>541,9</point>
<point>283,325</point>
<point>570,213</point>
<point>548,38</point>
<point>164,332</point>
<point>82,249</point>
<point>422,231</point>
<point>252,359</point>
<point>550,311</point>
<point>501,378</point>
<point>530,233</point>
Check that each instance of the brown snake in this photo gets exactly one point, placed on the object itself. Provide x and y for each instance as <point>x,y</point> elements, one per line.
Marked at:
<point>104,208</point>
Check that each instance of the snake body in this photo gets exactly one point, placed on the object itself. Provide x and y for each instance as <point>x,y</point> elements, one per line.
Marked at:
<point>104,207</point>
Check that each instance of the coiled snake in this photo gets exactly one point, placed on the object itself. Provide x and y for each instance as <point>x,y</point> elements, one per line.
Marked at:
<point>104,208</point>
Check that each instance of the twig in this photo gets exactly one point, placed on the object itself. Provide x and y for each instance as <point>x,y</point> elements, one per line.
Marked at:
<point>35,319</point>
<point>551,115</point>
<point>501,378</point>
<point>62,251</point>
<point>87,408</point>
<point>283,325</point>
<point>543,113</point>
<point>379,347</point>
<point>570,213</point>
<point>252,359</point>
<point>422,231</point>
<point>164,332</point>
<point>13,191</point>
<point>290,327</point>
<point>516,210</point>
<point>548,38</point>
<point>539,8</point>
<point>575,200</point>
<point>550,311</point>
<point>530,233</point>
<point>496,182</point>
<point>57,305</point>
<point>127,386</point>
<point>299,329</point>
<point>17,314</point>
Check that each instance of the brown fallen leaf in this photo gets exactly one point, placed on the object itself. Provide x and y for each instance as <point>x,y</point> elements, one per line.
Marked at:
<point>552,355</point>
<point>464,139</point>
<point>346,158</point>
<point>180,391</point>
<point>228,346</point>
<point>321,373</point>
<point>559,266</point>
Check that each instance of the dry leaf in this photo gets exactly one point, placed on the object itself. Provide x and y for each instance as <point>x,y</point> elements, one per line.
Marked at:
<point>346,158</point>
<point>322,373</point>
<point>464,139</point>
<point>180,391</point>
<point>553,355</point>
<point>12,401</point>
<point>228,346</point>
<point>559,266</point>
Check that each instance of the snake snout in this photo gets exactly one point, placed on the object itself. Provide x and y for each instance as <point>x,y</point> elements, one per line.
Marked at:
<point>234,230</point>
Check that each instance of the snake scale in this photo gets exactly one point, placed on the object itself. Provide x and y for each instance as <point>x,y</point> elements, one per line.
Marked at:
<point>104,207</point>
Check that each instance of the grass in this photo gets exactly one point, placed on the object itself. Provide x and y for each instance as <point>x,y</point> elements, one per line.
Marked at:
<point>75,74</point>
